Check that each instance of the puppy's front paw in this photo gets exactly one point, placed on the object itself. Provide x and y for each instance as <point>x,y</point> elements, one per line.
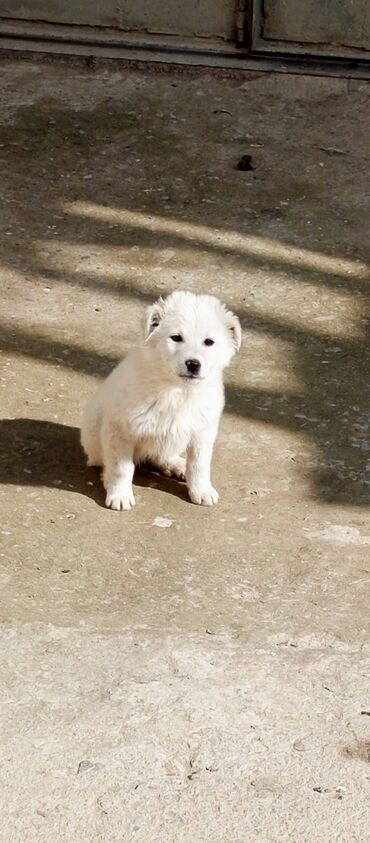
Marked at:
<point>205,497</point>
<point>120,501</point>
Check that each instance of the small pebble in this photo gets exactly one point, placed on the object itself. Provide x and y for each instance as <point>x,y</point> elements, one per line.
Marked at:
<point>299,745</point>
<point>162,522</point>
<point>245,163</point>
<point>83,766</point>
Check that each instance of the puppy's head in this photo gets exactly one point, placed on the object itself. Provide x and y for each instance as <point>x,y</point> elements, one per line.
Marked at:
<point>194,336</point>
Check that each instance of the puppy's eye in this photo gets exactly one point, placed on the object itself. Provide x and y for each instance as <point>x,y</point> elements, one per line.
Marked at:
<point>208,341</point>
<point>176,338</point>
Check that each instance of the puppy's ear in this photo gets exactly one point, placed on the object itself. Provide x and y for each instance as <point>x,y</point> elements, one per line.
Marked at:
<point>153,316</point>
<point>233,325</point>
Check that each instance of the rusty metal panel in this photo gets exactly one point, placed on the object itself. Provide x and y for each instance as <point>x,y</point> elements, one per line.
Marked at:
<point>204,18</point>
<point>337,22</point>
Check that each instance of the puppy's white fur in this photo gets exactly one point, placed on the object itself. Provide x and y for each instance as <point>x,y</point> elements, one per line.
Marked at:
<point>154,407</point>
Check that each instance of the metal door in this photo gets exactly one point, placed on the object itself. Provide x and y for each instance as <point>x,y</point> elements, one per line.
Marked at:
<point>324,27</point>
<point>316,26</point>
<point>186,18</point>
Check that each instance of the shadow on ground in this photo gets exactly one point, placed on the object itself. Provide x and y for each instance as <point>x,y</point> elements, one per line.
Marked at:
<point>333,406</point>
<point>47,454</point>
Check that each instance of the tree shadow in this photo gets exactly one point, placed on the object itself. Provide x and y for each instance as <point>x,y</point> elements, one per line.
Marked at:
<point>331,411</point>
<point>47,454</point>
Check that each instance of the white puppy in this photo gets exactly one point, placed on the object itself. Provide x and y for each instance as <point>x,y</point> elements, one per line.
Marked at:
<point>165,399</point>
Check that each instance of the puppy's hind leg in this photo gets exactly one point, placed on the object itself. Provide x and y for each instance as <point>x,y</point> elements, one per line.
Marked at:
<point>91,436</point>
<point>173,467</point>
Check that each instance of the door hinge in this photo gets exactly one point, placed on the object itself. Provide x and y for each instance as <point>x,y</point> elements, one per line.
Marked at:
<point>241,22</point>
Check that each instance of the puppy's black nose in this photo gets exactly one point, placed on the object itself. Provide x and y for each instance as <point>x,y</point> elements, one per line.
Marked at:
<point>192,366</point>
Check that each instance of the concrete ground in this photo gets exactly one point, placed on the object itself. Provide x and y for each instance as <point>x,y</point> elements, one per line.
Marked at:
<point>178,673</point>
